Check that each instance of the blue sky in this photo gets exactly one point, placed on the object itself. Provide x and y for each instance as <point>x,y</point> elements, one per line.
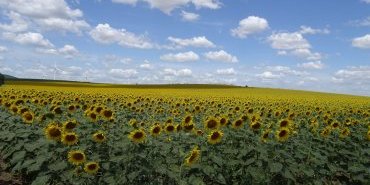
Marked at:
<point>297,44</point>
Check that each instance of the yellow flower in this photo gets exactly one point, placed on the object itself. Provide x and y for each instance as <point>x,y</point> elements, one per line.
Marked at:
<point>69,138</point>
<point>265,136</point>
<point>155,130</point>
<point>193,157</point>
<point>69,125</point>
<point>344,132</point>
<point>169,128</point>
<point>53,132</point>
<point>76,157</point>
<point>211,124</point>
<point>238,124</point>
<point>99,137</point>
<point>137,136</point>
<point>28,117</point>
<point>283,134</point>
<point>91,167</point>
<point>215,137</point>
<point>255,125</point>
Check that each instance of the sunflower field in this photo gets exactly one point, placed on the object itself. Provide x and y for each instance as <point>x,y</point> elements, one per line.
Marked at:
<point>70,134</point>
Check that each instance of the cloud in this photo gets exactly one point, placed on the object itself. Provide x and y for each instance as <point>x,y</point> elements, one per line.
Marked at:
<point>228,71</point>
<point>3,49</point>
<point>312,31</point>
<point>48,14</point>
<point>188,16</point>
<point>362,42</point>
<point>181,72</point>
<point>250,25</point>
<point>105,34</point>
<point>63,24</point>
<point>359,75</point>
<point>221,56</point>
<point>294,44</point>
<point>29,38</point>
<point>312,65</point>
<point>201,41</point>
<point>130,2</point>
<point>18,24</point>
<point>363,22</point>
<point>168,6</point>
<point>180,57</point>
<point>123,73</point>
<point>146,65</point>
<point>68,51</point>
<point>366,1</point>
<point>268,75</point>
<point>288,41</point>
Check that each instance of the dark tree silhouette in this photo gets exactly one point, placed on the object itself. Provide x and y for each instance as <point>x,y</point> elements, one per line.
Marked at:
<point>2,79</point>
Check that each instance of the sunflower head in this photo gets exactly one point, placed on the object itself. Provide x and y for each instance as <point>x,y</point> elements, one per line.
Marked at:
<point>187,119</point>
<point>255,125</point>
<point>237,124</point>
<point>345,132</point>
<point>215,137</point>
<point>99,137</point>
<point>211,124</point>
<point>69,125</point>
<point>282,134</point>
<point>200,132</point>
<point>155,130</point>
<point>368,135</point>
<point>107,114</point>
<point>265,135</point>
<point>193,157</point>
<point>189,127</point>
<point>137,136</point>
<point>285,123</point>
<point>53,132</point>
<point>76,157</point>
<point>91,168</point>
<point>69,138</point>
<point>28,117</point>
<point>169,128</point>
<point>326,131</point>
<point>223,121</point>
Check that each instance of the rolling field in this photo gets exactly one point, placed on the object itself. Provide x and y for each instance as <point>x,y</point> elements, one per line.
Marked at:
<point>80,133</point>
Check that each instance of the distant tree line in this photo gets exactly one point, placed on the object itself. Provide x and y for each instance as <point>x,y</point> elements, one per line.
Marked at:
<point>2,79</point>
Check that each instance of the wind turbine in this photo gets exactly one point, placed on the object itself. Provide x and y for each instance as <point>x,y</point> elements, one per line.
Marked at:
<point>56,69</point>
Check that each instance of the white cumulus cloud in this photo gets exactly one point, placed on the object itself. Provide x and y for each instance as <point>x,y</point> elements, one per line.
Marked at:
<point>201,41</point>
<point>29,38</point>
<point>180,57</point>
<point>188,16</point>
<point>105,34</point>
<point>221,56</point>
<point>228,71</point>
<point>362,42</point>
<point>250,25</point>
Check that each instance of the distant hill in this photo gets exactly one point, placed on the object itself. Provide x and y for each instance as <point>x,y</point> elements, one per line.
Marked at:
<point>8,77</point>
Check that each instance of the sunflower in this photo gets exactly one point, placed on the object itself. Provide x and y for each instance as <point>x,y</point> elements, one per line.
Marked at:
<point>211,124</point>
<point>106,113</point>
<point>200,132</point>
<point>326,131</point>
<point>344,132</point>
<point>76,157</point>
<point>238,124</point>
<point>187,119</point>
<point>53,132</point>
<point>28,117</point>
<point>137,136</point>
<point>169,128</point>
<point>255,125</point>
<point>69,138</point>
<point>189,127</point>
<point>91,167</point>
<point>215,137</point>
<point>71,108</point>
<point>265,136</point>
<point>193,157</point>
<point>99,137</point>
<point>223,121</point>
<point>69,125</point>
<point>93,116</point>
<point>334,124</point>
<point>155,130</point>
<point>282,134</point>
<point>368,135</point>
<point>285,123</point>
